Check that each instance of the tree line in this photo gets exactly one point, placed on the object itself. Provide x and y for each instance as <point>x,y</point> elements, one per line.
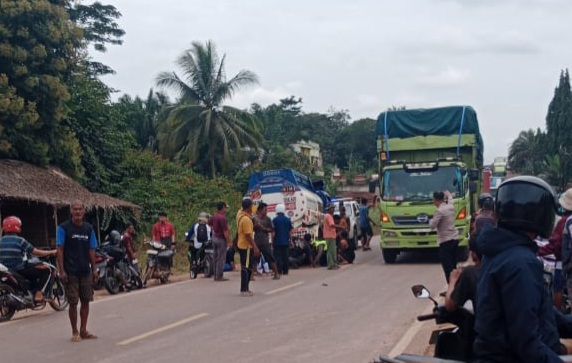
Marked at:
<point>548,153</point>
<point>56,110</point>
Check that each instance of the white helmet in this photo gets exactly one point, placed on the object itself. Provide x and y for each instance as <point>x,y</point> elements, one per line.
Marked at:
<point>280,208</point>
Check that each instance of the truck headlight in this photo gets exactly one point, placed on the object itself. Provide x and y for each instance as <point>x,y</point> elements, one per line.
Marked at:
<point>389,234</point>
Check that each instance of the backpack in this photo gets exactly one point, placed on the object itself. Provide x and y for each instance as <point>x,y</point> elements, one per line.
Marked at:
<point>202,233</point>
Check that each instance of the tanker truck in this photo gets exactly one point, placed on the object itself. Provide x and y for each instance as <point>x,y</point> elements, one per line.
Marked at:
<point>422,151</point>
<point>304,200</point>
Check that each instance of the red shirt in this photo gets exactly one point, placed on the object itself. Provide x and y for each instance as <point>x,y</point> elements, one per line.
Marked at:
<point>128,244</point>
<point>220,225</point>
<point>162,231</point>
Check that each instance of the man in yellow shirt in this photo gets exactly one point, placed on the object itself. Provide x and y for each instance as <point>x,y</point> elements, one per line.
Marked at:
<point>245,245</point>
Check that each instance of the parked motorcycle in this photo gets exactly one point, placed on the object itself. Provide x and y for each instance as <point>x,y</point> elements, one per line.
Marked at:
<point>15,295</point>
<point>159,262</point>
<point>205,261</point>
<point>119,269</point>
<point>101,259</point>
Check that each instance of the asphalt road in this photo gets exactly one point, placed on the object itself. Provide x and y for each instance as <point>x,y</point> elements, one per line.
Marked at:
<point>313,315</point>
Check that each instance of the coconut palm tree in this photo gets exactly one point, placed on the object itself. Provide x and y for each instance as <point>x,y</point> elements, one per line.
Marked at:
<point>200,120</point>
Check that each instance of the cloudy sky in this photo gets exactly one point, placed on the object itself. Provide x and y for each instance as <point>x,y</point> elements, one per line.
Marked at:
<point>503,57</point>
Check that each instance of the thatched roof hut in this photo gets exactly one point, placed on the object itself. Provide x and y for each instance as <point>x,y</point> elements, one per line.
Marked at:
<point>41,197</point>
<point>26,182</point>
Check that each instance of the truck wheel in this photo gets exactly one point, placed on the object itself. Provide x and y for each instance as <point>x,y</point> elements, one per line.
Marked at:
<point>462,254</point>
<point>389,256</point>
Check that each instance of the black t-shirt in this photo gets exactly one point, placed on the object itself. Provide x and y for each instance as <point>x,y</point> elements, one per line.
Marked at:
<point>261,224</point>
<point>466,287</point>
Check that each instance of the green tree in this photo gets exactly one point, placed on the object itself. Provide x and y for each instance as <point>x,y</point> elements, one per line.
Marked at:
<point>559,126</point>
<point>527,151</point>
<point>144,117</point>
<point>38,45</point>
<point>101,131</point>
<point>100,28</point>
<point>357,141</point>
<point>199,117</point>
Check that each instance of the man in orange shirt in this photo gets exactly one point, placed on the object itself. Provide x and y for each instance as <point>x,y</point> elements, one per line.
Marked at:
<point>245,244</point>
<point>330,234</point>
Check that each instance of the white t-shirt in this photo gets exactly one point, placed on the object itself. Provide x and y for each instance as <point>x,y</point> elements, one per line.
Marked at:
<point>196,243</point>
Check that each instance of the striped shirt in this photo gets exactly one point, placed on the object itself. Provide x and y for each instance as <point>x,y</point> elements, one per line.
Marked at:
<point>12,249</point>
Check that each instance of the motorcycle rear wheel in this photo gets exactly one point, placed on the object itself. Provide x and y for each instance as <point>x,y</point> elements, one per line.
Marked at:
<point>147,275</point>
<point>208,267</point>
<point>59,299</point>
<point>6,311</point>
<point>112,285</point>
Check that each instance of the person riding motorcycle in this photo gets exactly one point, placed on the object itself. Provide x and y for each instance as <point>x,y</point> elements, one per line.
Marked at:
<point>515,320</point>
<point>196,246</point>
<point>12,251</point>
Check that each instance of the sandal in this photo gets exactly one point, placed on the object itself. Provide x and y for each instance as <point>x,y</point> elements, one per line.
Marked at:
<point>76,338</point>
<point>87,335</point>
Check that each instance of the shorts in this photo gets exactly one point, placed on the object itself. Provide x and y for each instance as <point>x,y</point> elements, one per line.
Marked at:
<point>366,230</point>
<point>79,288</point>
<point>558,280</point>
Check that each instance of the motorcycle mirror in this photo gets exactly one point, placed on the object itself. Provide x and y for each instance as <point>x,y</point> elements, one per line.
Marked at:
<point>420,292</point>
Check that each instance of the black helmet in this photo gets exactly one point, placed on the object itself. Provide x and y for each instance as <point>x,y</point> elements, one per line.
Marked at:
<point>526,203</point>
<point>114,237</point>
<point>486,201</point>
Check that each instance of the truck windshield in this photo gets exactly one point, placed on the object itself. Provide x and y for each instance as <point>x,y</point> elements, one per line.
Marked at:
<point>401,185</point>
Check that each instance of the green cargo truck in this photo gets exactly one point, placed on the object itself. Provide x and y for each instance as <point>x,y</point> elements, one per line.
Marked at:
<point>422,151</point>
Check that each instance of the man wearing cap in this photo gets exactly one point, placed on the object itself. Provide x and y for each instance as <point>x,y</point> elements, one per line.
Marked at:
<point>330,234</point>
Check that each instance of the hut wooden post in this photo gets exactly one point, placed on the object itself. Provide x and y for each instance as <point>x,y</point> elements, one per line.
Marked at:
<point>47,235</point>
<point>98,226</point>
<point>56,217</point>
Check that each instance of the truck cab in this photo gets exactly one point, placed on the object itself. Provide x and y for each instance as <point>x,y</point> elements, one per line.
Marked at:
<point>407,203</point>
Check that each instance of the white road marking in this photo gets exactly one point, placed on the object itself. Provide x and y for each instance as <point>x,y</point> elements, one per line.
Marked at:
<point>284,288</point>
<point>162,329</point>
<point>407,338</point>
<point>104,298</point>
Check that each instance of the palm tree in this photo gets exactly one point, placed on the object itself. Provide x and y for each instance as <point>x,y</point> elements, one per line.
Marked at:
<point>199,120</point>
<point>525,153</point>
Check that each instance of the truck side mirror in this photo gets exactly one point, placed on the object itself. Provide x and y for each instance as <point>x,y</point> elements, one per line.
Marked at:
<point>372,186</point>
<point>473,174</point>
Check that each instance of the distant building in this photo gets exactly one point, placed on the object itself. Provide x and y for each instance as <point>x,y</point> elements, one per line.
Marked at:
<point>311,150</point>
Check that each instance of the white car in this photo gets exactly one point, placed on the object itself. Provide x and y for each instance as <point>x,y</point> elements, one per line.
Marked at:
<point>352,211</point>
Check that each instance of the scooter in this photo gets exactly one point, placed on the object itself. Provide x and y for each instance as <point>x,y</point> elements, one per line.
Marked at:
<point>15,294</point>
<point>205,261</point>
<point>452,344</point>
<point>159,261</point>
